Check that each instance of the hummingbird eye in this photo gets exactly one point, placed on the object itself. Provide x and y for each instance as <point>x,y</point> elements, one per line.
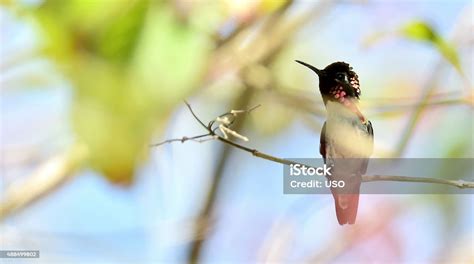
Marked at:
<point>341,76</point>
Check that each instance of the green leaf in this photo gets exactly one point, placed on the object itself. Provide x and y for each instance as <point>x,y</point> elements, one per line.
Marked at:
<point>449,53</point>
<point>130,64</point>
<point>118,39</point>
<point>419,30</point>
<point>422,31</point>
<point>171,57</point>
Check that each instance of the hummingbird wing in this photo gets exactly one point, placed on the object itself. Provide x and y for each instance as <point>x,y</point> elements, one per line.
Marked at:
<point>370,148</point>
<point>322,142</point>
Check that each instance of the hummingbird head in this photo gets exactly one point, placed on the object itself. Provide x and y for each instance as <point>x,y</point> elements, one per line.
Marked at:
<point>337,82</point>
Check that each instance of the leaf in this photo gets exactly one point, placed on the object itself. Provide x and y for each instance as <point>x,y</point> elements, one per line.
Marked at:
<point>171,57</point>
<point>422,31</point>
<point>118,39</point>
<point>118,107</point>
<point>130,63</point>
<point>110,121</point>
<point>449,53</point>
<point>419,30</point>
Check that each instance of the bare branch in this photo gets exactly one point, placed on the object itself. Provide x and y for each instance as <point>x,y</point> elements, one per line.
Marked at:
<point>253,108</point>
<point>366,178</point>
<point>195,117</point>
<point>457,183</point>
<point>184,139</point>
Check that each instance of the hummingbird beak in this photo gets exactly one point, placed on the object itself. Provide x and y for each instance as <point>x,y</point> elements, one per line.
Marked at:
<point>316,70</point>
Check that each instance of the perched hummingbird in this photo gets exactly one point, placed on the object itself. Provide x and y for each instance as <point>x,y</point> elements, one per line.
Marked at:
<point>347,137</point>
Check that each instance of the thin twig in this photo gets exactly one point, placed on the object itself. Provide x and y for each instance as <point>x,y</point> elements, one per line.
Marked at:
<point>253,108</point>
<point>366,178</point>
<point>184,139</point>
<point>457,183</point>
<point>195,117</point>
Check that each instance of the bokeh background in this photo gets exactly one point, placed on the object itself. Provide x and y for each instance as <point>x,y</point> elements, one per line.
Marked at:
<point>87,85</point>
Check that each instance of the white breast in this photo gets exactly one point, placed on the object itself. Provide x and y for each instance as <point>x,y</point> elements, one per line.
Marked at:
<point>346,133</point>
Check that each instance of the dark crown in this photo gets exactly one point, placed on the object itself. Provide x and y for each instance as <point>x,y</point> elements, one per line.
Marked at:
<point>337,80</point>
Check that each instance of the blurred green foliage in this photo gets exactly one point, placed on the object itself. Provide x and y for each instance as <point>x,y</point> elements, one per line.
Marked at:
<point>130,64</point>
<point>422,31</point>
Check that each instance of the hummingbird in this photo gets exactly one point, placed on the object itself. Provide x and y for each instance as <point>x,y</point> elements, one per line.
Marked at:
<point>347,136</point>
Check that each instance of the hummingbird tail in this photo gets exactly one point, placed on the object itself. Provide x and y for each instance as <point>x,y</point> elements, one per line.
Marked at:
<point>346,207</point>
